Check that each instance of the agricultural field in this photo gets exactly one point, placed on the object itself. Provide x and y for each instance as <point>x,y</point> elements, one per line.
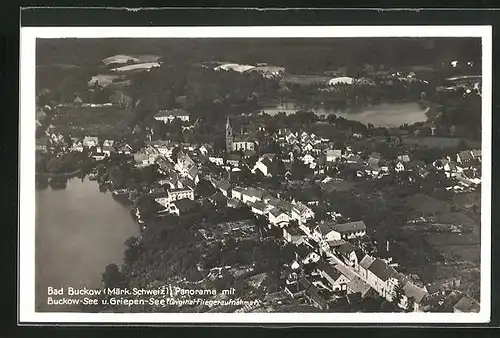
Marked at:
<point>80,121</point>
<point>440,142</point>
<point>425,205</point>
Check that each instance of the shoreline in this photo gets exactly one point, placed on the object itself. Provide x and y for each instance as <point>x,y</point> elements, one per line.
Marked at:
<point>51,175</point>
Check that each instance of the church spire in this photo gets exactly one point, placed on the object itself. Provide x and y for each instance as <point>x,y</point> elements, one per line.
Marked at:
<point>229,136</point>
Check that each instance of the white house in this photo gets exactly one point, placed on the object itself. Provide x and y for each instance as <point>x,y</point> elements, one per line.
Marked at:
<point>237,193</point>
<point>90,141</point>
<point>168,115</point>
<point>217,160</point>
<point>333,154</point>
<point>180,193</point>
<point>334,277</point>
<point>253,195</point>
<point>278,217</point>
<point>301,213</point>
<point>348,230</point>
<point>309,160</point>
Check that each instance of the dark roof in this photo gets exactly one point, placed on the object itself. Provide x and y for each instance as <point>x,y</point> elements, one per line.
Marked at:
<point>276,212</point>
<point>345,249</point>
<point>312,293</point>
<point>366,261</point>
<point>325,228</point>
<point>465,155</point>
<point>329,270</point>
<point>351,226</point>
<point>467,304</point>
<point>223,185</point>
<point>260,193</point>
<point>381,270</point>
<point>234,157</point>
<point>259,206</point>
<point>185,204</point>
<point>414,291</point>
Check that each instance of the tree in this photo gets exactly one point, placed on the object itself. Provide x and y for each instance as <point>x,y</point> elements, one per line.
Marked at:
<point>112,277</point>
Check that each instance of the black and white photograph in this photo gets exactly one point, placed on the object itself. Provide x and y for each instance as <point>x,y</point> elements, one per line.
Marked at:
<point>264,174</point>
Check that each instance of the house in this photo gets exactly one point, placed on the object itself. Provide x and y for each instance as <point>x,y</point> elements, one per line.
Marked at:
<point>442,285</point>
<point>217,160</point>
<point>90,141</point>
<point>309,160</point>
<point>348,230</point>
<point>301,213</point>
<point>452,169</point>
<point>125,149</point>
<point>97,154</point>
<point>244,143</point>
<point>233,203</point>
<point>335,278</point>
<point>349,254</point>
<point>465,157</point>
<point>192,174</point>
<point>267,165</point>
<point>168,115</point>
<point>400,166</point>
<point>224,187</point>
<point>254,195</point>
<point>323,232</point>
<point>476,154</point>
<point>260,208</point>
<point>180,193</point>
<point>363,266</point>
<point>182,206</point>
<point>404,158</point>
<point>108,143</point>
<point>381,277</point>
<point>412,297</point>
<point>312,293</point>
<point>237,193</point>
<point>278,217</point>
<point>141,159</point>
<point>161,198</point>
<point>77,146</point>
<point>332,155</point>
<point>308,147</point>
<point>108,150</point>
<point>184,163</point>
<point>354,159</point>
<point>233,160</point>
<point>163,147</point>
<point>292,235</point>
<point>466,304</point>
<point>357,285</point>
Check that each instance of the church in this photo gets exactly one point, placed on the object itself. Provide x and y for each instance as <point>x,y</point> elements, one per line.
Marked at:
<point>239,142</point>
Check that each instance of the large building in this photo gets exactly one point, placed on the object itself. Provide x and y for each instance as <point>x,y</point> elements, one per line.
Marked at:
<point>239,142</point>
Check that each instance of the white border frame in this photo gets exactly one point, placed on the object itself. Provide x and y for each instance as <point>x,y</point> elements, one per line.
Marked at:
<point>26,258</point>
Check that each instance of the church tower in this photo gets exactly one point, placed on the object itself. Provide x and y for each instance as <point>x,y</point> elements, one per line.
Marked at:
<point>229,136</point>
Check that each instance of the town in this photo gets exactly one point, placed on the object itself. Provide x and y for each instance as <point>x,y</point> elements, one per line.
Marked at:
<point>302,211</point>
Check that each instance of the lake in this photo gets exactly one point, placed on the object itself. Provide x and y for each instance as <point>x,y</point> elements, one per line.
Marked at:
<point>380,115</point>
<point>78,231</point>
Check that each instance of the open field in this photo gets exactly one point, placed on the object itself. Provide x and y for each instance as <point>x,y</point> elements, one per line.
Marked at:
<point>426,205</point>
<point>440,142</point>
<point>81,121</point>
<point>103,79</point>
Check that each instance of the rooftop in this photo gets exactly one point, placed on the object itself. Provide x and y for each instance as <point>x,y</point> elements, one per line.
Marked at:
<point>414,291</point>
<point>172,112</point>
<point>349,227</point>
<point>467,304</point>
<point>380,269</point>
